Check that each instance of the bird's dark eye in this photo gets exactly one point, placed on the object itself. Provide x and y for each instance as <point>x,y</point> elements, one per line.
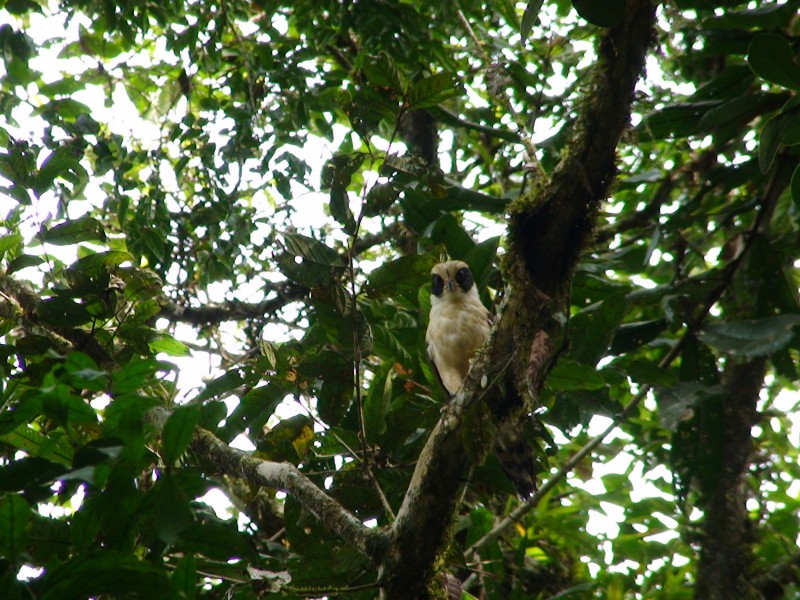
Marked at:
<point>437,285</point>
<point>464,278</point>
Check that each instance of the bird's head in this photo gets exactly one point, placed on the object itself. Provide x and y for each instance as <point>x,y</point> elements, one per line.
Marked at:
<point>451,281</point>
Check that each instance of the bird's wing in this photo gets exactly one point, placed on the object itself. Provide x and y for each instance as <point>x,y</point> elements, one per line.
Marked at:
<point>435,369</point>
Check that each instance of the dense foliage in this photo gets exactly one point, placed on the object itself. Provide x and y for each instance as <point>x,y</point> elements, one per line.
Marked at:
<point>219,221</point>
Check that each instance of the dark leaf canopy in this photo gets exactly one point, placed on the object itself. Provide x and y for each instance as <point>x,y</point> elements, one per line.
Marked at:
<point>217,226</point>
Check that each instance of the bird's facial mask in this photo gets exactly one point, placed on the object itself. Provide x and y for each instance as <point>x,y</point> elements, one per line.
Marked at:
<point>437,285</point>
<point>464,279</point>
<point>461,280</point>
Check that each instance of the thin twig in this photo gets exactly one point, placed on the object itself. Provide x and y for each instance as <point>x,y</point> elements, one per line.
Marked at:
<point>500,97</point>
<point>384,500</point>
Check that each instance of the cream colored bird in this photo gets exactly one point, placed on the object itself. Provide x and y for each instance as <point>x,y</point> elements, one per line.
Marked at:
<point>459,323</point>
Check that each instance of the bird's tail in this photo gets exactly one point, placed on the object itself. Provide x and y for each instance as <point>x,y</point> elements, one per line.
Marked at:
<point>515,455</point>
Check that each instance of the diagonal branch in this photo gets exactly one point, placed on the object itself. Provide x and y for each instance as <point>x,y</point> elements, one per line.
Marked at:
<point>549,228</point>
<point>284,476</point>
<point>18,302</point>
<point>547,232</point>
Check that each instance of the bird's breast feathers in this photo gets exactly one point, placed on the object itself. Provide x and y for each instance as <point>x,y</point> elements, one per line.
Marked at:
<point>455,332</point>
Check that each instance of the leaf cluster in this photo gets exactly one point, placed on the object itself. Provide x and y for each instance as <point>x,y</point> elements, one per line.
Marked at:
<point>313,273</point>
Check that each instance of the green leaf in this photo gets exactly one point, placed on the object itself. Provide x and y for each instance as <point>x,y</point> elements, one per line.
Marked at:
<point>333,400</point>
<point>253,410</point>
<point>312,250</point>
<point>481,258</point>
<point>134,375</point>
<point>63,86</point>
<point>339,169</point>
<point>791,122</point>
<point>772,58</point>
<point>340,209</point>
<point>433,90</point>
<point>67,109</point>
<point>72,232</point>
<point>795,187</point>
<point>63,162</point>
<point>215,540</point>
<point>765,16</point>
<point>603,14</point>
<point>26,438</point>
<point>99,263</point>
<point>752,337</point>
<point>184,577</point>
<point>84,372</point>
<point>336,176</point>
<point>10,242</point>
<point>318,264</point>
<point>222,385</point>
<point>570,375</point>
<point>105,572</point>
<point>782,129</point>
<point>677,403</point>
<point>29,472</point>
<point>382,72</point>
<point>529,17</point>
<point>645,372</point>
<point>592,329</point>
<point>140,284</point>
<point>124,420</point>
<point>631,336</point>
<point>15,516</point>
<point>23,261</point>
<point>769,142</point>
<point>62,312</point>
<point>178,432</point>
<point>167,504</point>
<point>65,408</point>
<point>377,401</point>
<point>97,452</point>
<point>402,275</point>
<point>676,121</point>
<point>144,311</point>
<point>288,441</point>
<point>169,345</point>
<point>742,107</point>
<point>732,82</point>
<point>448,230</point>
<point>367,107</point>
<point>380,197</point>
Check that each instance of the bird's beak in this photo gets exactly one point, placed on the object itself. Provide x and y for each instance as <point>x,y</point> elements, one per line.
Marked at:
<point>450,285</point>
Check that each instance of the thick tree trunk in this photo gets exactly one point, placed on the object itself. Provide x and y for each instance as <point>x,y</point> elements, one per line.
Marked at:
<point>726,555</point>
<point>547,231</point>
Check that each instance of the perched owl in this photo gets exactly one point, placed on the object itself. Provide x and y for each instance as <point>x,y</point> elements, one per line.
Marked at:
<point>459,325</point>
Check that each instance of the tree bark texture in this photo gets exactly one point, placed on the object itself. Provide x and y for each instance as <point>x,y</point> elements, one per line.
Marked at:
<point>551,227</point>
<point>547,230</point>
<point>724,569</point>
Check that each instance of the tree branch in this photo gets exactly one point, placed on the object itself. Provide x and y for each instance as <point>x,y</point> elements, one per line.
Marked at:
<point>727,532</point>
<point>284,476</point>
<point>547,233</point>
<point>19,302</point>
<point>424,521</point>
<point>234,310</point>
<point>551,226</point>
